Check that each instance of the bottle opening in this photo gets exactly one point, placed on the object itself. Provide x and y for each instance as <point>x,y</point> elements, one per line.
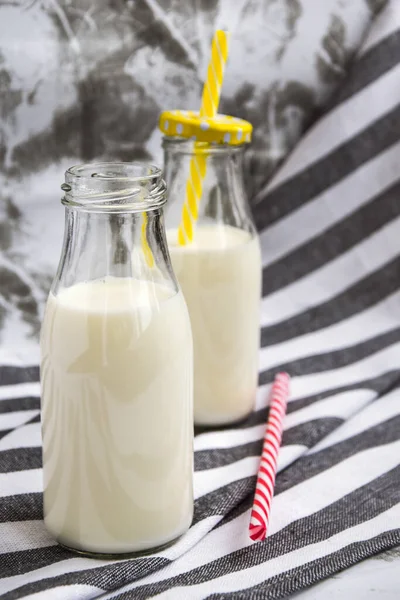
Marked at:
<point>114,187</point>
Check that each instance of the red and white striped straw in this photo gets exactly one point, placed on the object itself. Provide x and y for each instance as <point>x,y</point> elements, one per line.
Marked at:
<point>267,471</point>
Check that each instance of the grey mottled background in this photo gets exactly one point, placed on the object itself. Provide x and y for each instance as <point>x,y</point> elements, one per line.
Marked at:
<point>85,80</point>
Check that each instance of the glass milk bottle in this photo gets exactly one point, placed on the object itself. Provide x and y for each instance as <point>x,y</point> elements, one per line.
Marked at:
<point>219,270</point>
<point>116,370</point>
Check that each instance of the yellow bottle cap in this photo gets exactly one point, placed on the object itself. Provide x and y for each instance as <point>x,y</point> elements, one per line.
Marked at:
<point>221,129</point>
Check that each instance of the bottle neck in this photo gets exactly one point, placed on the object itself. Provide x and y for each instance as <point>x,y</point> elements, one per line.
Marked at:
<point>108,234</point>
<point>220,193</point>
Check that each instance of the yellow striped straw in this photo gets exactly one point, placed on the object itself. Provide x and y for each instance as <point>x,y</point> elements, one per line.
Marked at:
<point>209,108</point>
<point>145,244</point>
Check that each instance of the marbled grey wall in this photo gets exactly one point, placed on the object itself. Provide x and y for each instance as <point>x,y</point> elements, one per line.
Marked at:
<point>84,80</point>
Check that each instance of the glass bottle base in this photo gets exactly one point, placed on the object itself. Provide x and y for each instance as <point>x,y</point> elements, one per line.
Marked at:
<point>120,555</point>
<point>201,425</point>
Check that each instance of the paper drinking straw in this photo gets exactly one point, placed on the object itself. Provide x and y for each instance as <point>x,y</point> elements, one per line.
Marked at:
<point>215,74</point>
<point>209,108</point>
<point>145,244</point>
<point>267,471</point>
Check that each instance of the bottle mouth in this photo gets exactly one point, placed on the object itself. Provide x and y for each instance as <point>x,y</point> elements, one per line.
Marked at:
<point>114,187</point>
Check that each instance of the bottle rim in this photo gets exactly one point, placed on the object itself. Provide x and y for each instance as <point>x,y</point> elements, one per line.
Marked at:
<point>182,145</point>
<point>114,187</point>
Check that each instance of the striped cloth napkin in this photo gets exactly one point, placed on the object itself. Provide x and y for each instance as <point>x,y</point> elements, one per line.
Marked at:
<point>330,230</point>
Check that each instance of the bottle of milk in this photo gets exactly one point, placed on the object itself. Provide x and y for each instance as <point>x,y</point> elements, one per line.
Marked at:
<point>116,371</point>
<point>219,269</point>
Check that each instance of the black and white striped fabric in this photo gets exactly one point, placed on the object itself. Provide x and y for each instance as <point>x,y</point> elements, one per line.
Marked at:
<point>330,233</point>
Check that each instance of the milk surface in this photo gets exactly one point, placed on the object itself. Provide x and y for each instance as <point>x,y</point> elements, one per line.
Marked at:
<point>117,416</point>
<point>220,276</point>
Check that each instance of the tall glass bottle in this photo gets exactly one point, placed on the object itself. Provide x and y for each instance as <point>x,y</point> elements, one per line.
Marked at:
<point>116,370</point>
<point>218,266</point>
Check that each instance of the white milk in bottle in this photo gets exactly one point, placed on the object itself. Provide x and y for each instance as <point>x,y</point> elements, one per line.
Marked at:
<point>116,374</point>
<point>219,274</point>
